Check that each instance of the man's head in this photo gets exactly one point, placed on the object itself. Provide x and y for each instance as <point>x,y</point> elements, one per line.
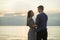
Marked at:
<point>40,8</point>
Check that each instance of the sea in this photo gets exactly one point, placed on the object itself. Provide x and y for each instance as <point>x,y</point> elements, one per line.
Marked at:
<point>21,32</point>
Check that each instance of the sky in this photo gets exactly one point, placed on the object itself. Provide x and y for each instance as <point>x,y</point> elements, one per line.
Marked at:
<point>23,6</point>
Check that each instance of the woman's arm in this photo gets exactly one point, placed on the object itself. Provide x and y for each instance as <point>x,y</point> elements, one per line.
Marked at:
<point>31,23</point>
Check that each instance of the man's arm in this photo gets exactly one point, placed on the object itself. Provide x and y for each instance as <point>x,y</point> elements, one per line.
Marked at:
<point>37,20</point>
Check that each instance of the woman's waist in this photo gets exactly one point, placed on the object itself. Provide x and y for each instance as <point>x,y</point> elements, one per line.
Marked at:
<point>32,28</point>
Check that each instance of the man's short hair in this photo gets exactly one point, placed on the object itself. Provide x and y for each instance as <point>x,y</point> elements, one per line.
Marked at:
<point>41,7</point>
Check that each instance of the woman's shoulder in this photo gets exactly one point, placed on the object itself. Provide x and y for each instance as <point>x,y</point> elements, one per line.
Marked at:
<point>30,20</point>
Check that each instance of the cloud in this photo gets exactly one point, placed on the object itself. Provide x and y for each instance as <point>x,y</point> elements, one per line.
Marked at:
<point>25,5</point>
<point>18,4</point>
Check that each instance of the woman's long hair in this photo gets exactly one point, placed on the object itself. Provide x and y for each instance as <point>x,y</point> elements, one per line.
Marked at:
<point>28,15</point>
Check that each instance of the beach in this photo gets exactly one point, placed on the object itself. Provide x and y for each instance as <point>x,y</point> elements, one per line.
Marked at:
<point>21,32</point>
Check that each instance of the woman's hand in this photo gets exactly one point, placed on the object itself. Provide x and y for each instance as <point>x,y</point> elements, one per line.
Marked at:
<point>34,25</point>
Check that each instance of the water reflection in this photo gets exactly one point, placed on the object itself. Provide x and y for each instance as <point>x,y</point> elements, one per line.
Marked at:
<point>20,32</point>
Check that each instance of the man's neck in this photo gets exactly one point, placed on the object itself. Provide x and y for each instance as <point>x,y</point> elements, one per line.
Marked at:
<point>41,12</point>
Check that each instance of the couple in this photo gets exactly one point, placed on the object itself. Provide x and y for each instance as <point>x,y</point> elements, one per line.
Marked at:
<point>38,29</point>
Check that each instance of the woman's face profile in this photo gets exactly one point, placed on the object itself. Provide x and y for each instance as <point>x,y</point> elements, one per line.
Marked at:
<point>32,14</point>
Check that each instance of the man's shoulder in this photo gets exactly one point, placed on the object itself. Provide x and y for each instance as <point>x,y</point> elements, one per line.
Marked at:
<point>44,13</point>
<point>39,15</point>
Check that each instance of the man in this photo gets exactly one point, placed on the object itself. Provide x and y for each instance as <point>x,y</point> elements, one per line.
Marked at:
<point>41,22</point>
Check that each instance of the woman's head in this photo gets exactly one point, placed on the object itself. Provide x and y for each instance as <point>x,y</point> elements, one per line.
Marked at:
<point>30,13</point>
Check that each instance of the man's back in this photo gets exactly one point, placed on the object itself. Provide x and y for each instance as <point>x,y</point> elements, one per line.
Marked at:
<point>41,21</point>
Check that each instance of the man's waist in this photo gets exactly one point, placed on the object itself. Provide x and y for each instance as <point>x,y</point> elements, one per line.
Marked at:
<point>41,26</point>
<point>41,29</point>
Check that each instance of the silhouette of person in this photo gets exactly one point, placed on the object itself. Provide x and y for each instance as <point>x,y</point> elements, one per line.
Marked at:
<point>41,22</point>
<point>31,24</point>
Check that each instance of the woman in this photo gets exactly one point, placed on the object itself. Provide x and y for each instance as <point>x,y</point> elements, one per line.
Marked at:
<point>31,24</point>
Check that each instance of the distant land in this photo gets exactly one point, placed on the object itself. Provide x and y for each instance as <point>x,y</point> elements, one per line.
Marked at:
<point>53,20</point>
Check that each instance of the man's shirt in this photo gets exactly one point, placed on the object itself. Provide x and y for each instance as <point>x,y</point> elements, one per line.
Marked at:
<point>41,21</point>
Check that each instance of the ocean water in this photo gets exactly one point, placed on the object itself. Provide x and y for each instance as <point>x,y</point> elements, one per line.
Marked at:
<point>53,20</point>
<point>21,32</point>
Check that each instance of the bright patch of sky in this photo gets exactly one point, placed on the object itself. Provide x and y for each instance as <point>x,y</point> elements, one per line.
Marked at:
<point>25,5</point>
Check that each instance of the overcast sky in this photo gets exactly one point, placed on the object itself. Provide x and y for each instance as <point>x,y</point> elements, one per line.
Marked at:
<point>25,5</point>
